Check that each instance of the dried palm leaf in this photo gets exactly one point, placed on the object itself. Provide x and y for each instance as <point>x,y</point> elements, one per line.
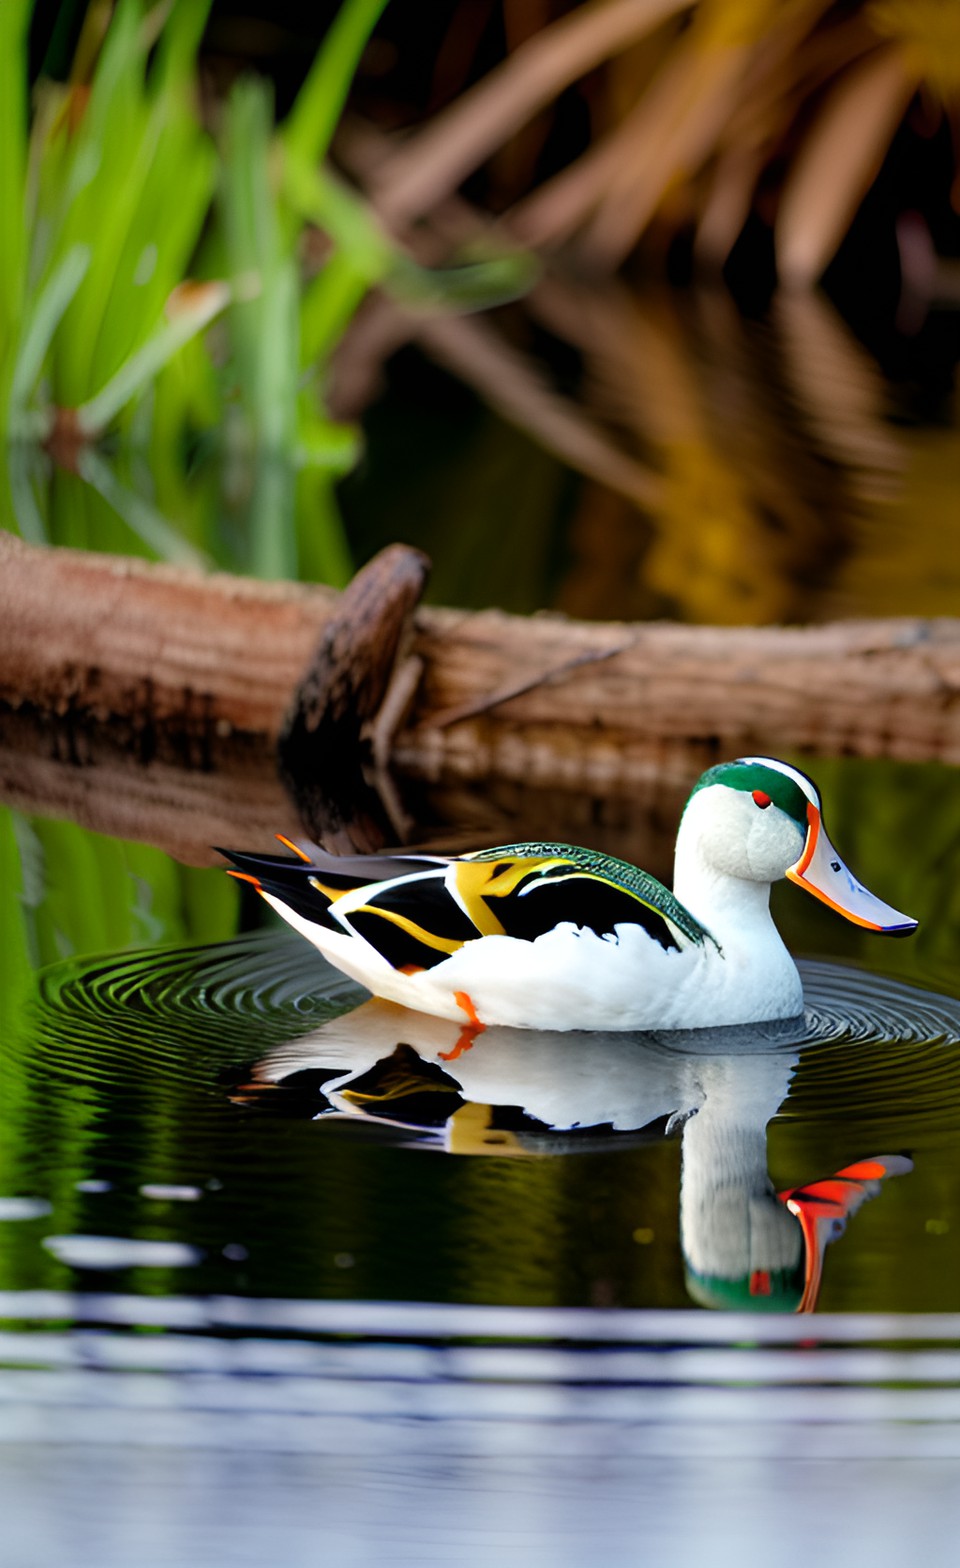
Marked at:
<point>839,161</point>
<point>674,130</point>
<point>665,160</point>
<point>435,160</point>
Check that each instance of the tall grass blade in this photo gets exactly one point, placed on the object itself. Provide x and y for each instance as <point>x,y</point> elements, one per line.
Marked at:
<point>330,301</point>
<point>94,193</point>
<point>322,549</point>
<point>14,16</point>
<point>264,329</point>
<point>15,466</point>
<point>434,161</point>
<point>197,306</point>
<point>273,536</point>
<point>43,320</point>
<point>179,43</point>
<point>143,519</point>
<point>320,101</point>
<point>367,257</point>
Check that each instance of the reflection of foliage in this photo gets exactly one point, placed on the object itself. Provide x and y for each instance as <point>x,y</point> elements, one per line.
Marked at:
<point>127,1067</point>
<point>154,1033</point>
<point>62,891</point>
<point>766,455</point>
<point>78,892</point>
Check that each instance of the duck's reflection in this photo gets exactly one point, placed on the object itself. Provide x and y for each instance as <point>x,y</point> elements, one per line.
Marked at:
<point>520,1092</point>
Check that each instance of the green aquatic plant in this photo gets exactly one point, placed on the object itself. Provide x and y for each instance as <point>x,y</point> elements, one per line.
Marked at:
<point>128,227</point>
<point>104,206</point>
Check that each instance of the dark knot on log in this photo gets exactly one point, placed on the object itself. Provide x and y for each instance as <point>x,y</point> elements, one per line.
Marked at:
<point>333,747</point>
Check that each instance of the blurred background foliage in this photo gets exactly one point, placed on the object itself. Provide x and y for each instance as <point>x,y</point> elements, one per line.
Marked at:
<point>135,215</point>
<point>249,259</point>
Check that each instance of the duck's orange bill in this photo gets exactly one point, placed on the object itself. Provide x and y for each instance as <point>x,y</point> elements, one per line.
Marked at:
<point>821,871</point>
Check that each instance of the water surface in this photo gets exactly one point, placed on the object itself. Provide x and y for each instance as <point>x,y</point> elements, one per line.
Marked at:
<point>235,1109</point>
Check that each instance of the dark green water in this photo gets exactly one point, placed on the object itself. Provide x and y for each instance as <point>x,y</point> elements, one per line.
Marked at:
<point>232,1107</point>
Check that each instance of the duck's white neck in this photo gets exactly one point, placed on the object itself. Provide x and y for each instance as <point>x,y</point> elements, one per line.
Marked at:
<point>728,853</point>
<point>733,909</point>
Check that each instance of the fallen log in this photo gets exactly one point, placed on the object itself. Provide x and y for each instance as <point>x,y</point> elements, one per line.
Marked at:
<point>119,666</point>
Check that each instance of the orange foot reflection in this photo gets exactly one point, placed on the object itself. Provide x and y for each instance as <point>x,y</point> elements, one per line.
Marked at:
<point>469,1031</point>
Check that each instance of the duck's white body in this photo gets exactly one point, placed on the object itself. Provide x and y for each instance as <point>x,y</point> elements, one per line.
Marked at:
<point>623,981</point>
<point>548,937</point>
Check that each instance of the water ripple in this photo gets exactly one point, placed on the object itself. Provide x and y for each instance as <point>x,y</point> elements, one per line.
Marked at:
<point>849,1005</point>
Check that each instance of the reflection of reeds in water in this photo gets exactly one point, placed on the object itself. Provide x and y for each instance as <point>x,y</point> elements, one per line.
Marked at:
<point>731,465</point>
<point>748,518</point>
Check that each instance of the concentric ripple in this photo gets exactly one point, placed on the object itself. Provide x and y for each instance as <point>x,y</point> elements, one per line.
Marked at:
<point>258,978</point>
<point>854,1005</point>
<point>166,1007</point>
<point>876,1049</point>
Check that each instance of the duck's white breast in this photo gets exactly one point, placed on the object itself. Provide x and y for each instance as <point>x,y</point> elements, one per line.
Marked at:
<point>570,978</point>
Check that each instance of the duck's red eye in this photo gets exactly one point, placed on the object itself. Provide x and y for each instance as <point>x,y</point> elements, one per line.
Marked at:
<point>762,799</point>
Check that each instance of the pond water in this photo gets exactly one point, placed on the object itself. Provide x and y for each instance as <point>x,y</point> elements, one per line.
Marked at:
<point>263,1238</point>
<point>236,1120</point>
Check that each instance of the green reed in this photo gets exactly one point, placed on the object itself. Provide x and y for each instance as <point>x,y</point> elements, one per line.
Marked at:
<point>127,229</point>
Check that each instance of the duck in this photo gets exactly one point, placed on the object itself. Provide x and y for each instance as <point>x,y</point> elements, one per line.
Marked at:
<point>541,935</point>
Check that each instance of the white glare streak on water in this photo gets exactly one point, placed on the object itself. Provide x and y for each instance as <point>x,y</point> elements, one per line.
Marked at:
<point>683,1440</point>
<point>170,1192</point>
<point>121,1252</point>
<point>24,1208</point>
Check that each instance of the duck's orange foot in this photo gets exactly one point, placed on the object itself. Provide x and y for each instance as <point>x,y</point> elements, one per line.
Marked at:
<point>469,1031</point>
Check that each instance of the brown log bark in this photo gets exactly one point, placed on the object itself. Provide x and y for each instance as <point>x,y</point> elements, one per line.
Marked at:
<point>118,677</point>
<point>340,694</point>
<point>609,704</point>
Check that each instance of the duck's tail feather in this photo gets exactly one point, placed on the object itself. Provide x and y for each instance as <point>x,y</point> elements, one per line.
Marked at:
<point>309,887</point>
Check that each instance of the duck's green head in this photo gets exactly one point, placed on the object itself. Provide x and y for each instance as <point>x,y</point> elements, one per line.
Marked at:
<point>761,819</point>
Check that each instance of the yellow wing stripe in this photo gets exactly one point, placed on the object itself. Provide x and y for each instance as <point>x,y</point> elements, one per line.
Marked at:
<point>442,944</point>
<point>335,892</point>
<point>478,880</point>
